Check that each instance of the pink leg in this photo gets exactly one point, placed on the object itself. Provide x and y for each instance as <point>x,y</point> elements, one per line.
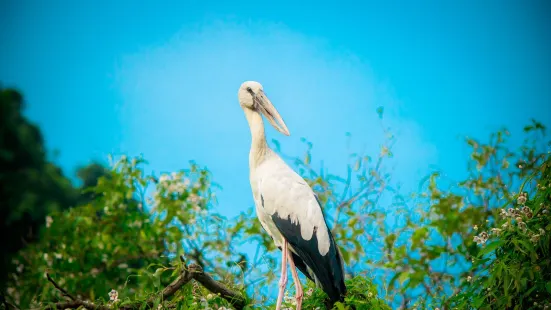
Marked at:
<point>298,287</point>
<point>283,279</point>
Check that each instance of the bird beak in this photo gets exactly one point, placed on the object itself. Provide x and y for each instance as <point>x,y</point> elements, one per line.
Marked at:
<point>267,108</point>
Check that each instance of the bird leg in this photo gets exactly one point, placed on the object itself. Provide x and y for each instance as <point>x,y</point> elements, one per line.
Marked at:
<point>298,287</point>
<point>283,279</point>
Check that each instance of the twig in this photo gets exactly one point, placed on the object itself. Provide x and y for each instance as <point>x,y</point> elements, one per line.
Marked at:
<point>81,303</point>
<point>182,280</point>
<point>59,288</point>
<point>218,288</point>
<point>6,303</point>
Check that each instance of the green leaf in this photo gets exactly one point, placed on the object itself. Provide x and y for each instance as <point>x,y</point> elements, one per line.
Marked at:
<point>403,277</point>
<point>490,247</point>
<point>380,111</point>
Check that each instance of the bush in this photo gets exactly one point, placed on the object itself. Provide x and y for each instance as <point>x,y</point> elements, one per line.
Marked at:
<point>146,241</point>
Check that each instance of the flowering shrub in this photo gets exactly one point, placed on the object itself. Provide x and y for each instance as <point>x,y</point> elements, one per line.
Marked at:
<point>515,254</point>
<point>125,240</point>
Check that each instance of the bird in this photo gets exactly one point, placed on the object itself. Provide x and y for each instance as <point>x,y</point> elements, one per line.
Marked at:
<point>287,207</point>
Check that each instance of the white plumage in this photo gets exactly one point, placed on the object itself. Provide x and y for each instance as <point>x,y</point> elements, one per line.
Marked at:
<point>286,193</point>
<point>287,207</point>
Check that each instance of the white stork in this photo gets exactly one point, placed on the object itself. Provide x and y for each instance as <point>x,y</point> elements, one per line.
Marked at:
<point>287,207</point>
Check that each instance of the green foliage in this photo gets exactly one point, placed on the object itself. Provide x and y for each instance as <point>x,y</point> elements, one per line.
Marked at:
<point>481,242</point>
<point>515,254</point>
<point>31,187</point>
<point>114,242</point>
<point>362,294</point>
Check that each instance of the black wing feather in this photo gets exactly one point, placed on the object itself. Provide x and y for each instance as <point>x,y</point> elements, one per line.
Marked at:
<point>327,269</point>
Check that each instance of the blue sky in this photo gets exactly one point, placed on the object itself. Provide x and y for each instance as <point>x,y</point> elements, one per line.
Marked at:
<point>127,77</point>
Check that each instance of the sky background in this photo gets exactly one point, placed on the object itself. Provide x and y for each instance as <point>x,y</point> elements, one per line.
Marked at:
<point>161,79</point>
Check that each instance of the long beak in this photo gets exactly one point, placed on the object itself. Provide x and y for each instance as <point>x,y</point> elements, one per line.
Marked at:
<point>267,108</point>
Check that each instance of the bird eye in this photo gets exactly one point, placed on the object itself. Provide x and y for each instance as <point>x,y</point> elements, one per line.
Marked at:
<point>249,90</point>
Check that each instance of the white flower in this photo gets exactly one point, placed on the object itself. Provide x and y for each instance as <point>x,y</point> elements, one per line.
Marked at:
<point>369,294</point>
<point>204,302</point>
<point>163,178</point>
<point>481,238</point>
<point>209,296</point>
<point>469,279</point>
<point>193,198</point>
<point>113,296</point>
<point>475,227</point>
<point>49,221</point>
<point>20,268</point>
<point>521,200</point>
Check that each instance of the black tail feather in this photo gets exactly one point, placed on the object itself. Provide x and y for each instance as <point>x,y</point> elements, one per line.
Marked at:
<point>327,269</point>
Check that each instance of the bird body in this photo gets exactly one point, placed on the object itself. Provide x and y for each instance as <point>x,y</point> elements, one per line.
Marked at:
<point>287,207</point>
<point>289,210</point>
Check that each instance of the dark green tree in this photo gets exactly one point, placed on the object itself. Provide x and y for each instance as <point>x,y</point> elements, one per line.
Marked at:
<point>31,187</point>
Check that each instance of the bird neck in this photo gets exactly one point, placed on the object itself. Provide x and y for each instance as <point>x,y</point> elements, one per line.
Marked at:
<point>259,147</point>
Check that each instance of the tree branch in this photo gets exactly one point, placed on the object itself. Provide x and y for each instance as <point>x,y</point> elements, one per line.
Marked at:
<point>193,271</point>
<point>216,287</point>
<point>59,288</point>
<point>80,303</point>
<point>7,304</point>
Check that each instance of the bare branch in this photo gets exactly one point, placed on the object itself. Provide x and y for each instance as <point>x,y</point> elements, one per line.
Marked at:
<point>182,280</point>
<point>193,271</point>
<point>80,303</point>
<point>7,304</point>
<point>59,288</point>
<point>216,287</point>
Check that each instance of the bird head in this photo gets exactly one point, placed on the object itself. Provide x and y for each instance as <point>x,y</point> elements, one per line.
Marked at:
<point>251,96</point>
